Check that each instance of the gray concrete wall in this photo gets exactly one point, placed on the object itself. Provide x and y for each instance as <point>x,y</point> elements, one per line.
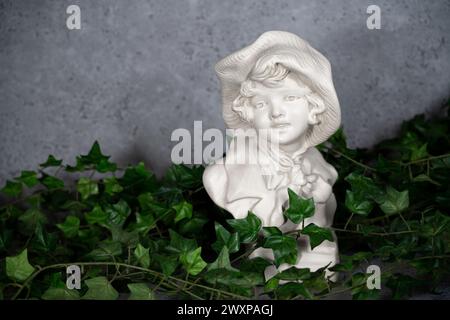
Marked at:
<point>138,69</point>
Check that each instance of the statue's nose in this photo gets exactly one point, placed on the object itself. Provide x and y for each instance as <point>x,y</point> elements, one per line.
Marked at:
<point>276,112</point>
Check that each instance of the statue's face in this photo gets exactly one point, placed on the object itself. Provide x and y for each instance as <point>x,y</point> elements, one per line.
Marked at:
<point>282,110</point>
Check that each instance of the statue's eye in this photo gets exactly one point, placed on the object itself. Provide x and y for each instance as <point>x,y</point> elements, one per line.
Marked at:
<point>260,104</point>
<point>291,98</point>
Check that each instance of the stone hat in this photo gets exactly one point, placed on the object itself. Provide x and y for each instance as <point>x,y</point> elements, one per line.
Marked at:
<point>296,55</point>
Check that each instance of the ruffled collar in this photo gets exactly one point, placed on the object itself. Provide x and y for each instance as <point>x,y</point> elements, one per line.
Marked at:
<point>276,168</point>
<point>281,164</point>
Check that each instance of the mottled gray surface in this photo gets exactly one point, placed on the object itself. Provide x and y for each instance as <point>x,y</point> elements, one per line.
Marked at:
<point>139,69</point>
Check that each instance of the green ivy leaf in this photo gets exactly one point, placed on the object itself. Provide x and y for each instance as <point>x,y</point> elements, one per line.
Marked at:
<point>271,285</point>
<point>192,227</point>
<point>419,153</point>
<point>144,223</point>
<point>70,226</point>
<point>18,268</point>
<point>168,263</point>
<point>28,178</point>
<point>271,231</point>
<point>424,178</point>
<point>99,288</point>
<point>146,201</point>
<point>291,290</point>
<point>284,248</point>
<point>149,206</point>
<point>60,294</point>
<point>193,262</point>
<point>137,179</point>
<point>87,187</point>
<point>52,183</point>
<point>179,244</point>
<point>222,261</point>
<point>183,210</point>
<point>360,290</point>
<point>129,239</point>
<point>294,274</point>
<point>11,212</point>
<point>117,214</point>
<point>96,216</point>
<point>51,162</point>
<point>77,168</point>
<point>357,204</point>
<point>344,266</point>
<point>317,283</point>
<point>5,239</point>
<point>338,139</point>
<point>55,281</point>
<point>434,225</point>
<point>140,291</point>
<point>35,200</point>
<point>257,265</point>
<point>44,241</point>
<point>316,234</point>
<point>225,238</point>
<point>363,187</point>
<point>299,208</point>
<point>185,177</point>
<point>12,189</point>
<point>402,285</point>
<point>247,228</point>
<point>234,280</point>
<point>31,218</point>
<point>96,157</point>
<point>105,166</point>
<point>142,255</point>
<point>106,251</point>
<point>394,201</point>
<point>73,205</point>
<point>112,186</point>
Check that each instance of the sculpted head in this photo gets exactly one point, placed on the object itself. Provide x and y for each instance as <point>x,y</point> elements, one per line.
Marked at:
<point>282,84</point>
<point>275,99</point>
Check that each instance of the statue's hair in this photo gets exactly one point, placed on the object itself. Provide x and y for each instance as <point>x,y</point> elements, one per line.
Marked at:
<point>267,59</point>
<point>270,75</point>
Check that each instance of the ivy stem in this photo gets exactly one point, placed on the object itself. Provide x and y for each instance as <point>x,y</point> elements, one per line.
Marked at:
<point>246,253</point>
<point>352,160</point>
<point>386,272</point>
<point>375,233</point>
<point>433,257</point>
<point>186,291</point>
<point>348,221</point>
<point>404,220</point>
<point>427,159</point>
<point>117,265</point>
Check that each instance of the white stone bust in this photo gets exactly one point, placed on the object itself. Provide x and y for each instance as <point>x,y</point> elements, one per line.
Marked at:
<point>283,87</point>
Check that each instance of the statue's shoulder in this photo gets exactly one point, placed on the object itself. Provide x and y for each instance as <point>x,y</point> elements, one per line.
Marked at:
<point>216,175</point>
<point>214,172</point>
<point>320,166</point>
<point>227,183</point>
<point>215,180</point>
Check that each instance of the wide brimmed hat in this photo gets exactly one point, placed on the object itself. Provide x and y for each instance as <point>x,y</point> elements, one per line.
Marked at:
<point>296,55</point>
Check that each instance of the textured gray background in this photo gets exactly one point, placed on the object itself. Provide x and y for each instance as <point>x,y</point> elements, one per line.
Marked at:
<point>139,69</point>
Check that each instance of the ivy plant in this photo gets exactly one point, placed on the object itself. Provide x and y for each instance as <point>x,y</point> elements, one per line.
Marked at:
<point>138,237</point>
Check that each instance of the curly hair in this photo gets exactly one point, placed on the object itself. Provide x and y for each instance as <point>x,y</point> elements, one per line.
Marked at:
<point>270,74</point>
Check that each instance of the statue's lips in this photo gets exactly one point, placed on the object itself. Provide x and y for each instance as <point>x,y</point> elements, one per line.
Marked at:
<point>281,125</point>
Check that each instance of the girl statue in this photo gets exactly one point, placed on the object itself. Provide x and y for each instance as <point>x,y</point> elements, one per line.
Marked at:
<point>278,94</point>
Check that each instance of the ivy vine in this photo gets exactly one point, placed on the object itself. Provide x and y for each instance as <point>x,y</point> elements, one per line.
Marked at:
<point>138,237</point>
